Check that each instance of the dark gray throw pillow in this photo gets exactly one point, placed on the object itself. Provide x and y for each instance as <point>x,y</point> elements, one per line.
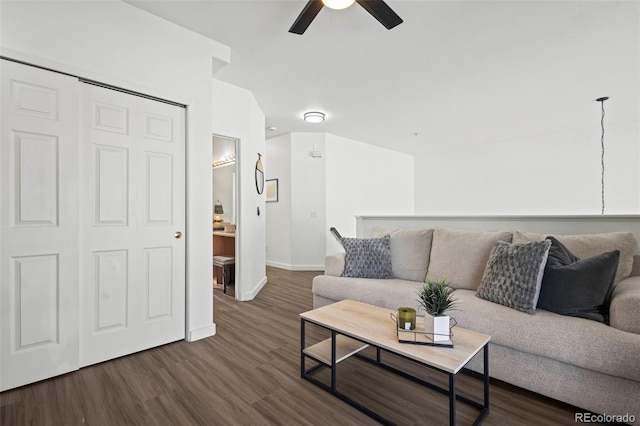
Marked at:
<point>513,274</point>
<point>559,255</point>
<point>578,287</point>
<point>367,257</point>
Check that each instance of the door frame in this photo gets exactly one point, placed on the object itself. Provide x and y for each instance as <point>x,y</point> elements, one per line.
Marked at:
<point>236,210</point>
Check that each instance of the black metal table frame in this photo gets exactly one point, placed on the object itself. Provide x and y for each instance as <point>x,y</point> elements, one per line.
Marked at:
<point>332,389</point>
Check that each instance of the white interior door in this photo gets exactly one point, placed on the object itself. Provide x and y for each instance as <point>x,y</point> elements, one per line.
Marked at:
<point>132,266</point>
<point>38,225</point>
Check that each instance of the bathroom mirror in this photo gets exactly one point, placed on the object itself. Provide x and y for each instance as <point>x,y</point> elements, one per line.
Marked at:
<point>259,175</point>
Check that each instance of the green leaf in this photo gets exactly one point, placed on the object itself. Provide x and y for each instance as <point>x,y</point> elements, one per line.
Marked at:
<point>435,297</point>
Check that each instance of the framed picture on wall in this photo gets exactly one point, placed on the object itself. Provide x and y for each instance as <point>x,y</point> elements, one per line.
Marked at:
<point>272,190</point>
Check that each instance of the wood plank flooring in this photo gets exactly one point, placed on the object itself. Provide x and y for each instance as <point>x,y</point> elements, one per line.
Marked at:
<point>249,374</point>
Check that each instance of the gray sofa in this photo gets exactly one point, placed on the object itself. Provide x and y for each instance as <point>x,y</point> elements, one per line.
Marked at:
<point>578,361</point>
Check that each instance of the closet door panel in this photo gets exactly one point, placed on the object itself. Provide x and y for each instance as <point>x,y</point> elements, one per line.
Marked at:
<point>38,225</point>
<point>132,267</point>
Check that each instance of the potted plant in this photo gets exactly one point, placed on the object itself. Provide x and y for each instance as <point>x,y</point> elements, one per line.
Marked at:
<point>435,298</point>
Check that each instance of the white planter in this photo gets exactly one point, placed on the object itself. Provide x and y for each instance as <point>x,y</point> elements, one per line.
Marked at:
<point>437,328</point>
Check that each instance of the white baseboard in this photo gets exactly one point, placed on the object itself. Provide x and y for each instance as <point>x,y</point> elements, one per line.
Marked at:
<point>254,291</point>
<point>289,267</point>
<point>202,332</point>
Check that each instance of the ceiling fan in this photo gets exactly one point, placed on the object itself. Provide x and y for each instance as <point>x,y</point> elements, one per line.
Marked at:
<point>377,8</point>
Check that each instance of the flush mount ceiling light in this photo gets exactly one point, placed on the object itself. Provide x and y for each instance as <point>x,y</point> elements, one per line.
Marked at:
<point>314,117</point>
<point>338,4</point>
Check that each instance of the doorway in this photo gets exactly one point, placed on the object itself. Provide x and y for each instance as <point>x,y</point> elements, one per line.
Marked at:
<point>225,224</point>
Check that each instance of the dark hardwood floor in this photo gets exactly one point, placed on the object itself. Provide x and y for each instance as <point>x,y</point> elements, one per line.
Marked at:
<point>249,374</point>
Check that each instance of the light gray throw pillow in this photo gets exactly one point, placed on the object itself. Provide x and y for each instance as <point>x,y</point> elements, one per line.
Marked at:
<point>513,275</point>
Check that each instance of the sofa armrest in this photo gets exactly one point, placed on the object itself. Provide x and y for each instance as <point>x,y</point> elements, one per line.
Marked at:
<point>625,305</point>
<point>334,264</point>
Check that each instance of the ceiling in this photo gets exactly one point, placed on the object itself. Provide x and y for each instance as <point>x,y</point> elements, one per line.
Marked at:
<point>454,72</point>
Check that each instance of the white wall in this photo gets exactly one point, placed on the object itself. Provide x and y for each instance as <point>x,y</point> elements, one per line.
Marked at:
<point>351,178</point>
<point>533,145</point>
<point>236,114</point>
<point>363,179</point>
<point>118,44</point>
<point>278,215</point>
<point>308,201</point>
<point>547,174</point>
<point>296,223</point>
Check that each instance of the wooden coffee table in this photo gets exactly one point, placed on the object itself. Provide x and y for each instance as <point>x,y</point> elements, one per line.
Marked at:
<point>355,326</point>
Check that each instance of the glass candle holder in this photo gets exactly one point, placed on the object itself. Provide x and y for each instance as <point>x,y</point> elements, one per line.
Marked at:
<point>407,318</point>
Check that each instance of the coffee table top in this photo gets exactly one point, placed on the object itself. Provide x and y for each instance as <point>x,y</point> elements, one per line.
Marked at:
<point>373,325</point>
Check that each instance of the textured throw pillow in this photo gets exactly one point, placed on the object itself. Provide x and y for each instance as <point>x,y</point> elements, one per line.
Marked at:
<point>513,275</point>
<point>367,257</point>
<point>578,287</point>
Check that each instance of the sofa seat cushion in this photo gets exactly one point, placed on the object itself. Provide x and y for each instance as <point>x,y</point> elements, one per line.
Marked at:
<point>576,341</point>
<point>390,294</point>
<point>410,249</point>
<point>460,257</point>
<point>589,245</point>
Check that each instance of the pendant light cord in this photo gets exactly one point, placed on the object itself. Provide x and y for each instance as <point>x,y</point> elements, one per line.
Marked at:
<point>602,151</point>
<point>601,100</point>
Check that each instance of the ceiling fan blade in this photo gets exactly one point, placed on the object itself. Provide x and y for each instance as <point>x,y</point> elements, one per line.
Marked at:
<point>307,15</point>
<point>382,12</point>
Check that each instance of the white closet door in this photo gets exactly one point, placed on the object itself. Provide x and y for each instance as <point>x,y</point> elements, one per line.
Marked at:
<point>132,266</point>
<point>38,225</point>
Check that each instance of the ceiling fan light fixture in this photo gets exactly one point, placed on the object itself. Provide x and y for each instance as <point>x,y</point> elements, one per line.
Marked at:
<point>338,4</point>
<point>314,117</point>
<point>376,8</point>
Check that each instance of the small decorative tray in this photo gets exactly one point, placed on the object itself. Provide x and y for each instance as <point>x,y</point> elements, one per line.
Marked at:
<point>418,336</point>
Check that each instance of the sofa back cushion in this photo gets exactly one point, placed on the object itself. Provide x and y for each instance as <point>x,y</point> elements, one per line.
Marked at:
<point>410,250</point>
<point>589,245</point>
<point>460,257</point>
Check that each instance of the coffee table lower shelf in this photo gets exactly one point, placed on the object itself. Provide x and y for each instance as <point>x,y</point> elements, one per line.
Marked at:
<point>345,347</point>
<point>330,352</point>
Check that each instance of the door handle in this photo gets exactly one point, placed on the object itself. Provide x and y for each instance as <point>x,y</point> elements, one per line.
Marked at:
<point>178,235</point>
